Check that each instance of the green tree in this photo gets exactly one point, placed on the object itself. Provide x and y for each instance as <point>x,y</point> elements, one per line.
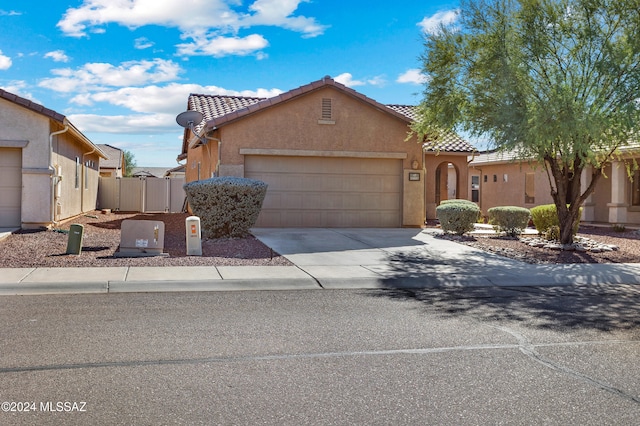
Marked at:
<point>129,163</point>
<point>557,81</point>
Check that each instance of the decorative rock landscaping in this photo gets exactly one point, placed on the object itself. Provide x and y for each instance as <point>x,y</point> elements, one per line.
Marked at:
<point>580,244</point>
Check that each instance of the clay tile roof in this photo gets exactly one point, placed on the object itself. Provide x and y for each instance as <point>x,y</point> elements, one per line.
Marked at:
<point>215,106</point>
<point>449,142</point>
<point>218,110</point>
<point>409,111</point>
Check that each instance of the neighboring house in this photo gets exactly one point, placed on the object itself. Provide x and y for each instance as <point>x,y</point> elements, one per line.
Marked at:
<point>330,155</point>
<point>500,179</point>
<point>176,172</point>
<point>48,168</point>
<point>157,172</point>
<point>114,165</point>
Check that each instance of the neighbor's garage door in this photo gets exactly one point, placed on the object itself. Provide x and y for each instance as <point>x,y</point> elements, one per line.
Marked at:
<point>328,192</point>
<point>10,187</point>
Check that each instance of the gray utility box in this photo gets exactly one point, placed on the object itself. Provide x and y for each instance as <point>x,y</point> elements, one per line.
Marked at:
<point>139,238</point>
<point>194,236</point>
<point>74,243</point>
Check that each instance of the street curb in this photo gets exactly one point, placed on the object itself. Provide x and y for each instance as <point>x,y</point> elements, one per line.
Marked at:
<point>35,288</point>
<point>212,285</point>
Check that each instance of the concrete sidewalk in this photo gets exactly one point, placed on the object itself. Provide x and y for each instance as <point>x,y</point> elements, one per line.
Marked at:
<point>328,259</point>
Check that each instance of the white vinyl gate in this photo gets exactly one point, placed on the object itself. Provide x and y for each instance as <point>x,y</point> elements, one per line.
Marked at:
<point>144,194</point>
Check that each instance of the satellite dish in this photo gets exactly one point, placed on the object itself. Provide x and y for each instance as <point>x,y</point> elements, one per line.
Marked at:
<point>188,119</point>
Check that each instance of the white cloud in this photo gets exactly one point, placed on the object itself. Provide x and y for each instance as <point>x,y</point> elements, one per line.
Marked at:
<point>5,62</point>
<point>218,46</point>
<point>97,76</point>
<point>20,88</point>
<point>156,107</point>
<point>216,18</point>
<point>347,79</point>
<point>378,81</point>
<point>57,56</point>
<point>412,76</point>
<point>166,100</point>
<point>279,13</point>
<point>9,13</point>
<point>143,43</point>
<point>125,124</point>
<point>432,24</point>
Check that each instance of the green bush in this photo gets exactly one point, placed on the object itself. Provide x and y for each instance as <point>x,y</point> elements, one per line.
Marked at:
<point>457,200</point>
<point>552,234</point>
<point>545,216</point>
<point>511,220</point>
<point>463,202</point>
<point>227,206</point>
<point>457,218</point>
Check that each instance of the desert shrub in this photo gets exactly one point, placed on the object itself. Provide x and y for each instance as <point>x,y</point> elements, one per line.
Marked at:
<point>545,216</point>
<point>227,206</point>
<point>457,200</point>
<point>552,233</point>
<point>618,227</point>
<point>464,202</point>
<point>511,220</point>
<point>457,218</point>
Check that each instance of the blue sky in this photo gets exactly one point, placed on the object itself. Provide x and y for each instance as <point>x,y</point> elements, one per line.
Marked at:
<point>121,70</point>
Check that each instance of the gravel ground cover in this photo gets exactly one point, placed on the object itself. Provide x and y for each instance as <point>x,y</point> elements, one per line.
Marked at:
<point>627,244</point>
<point>102,238</point>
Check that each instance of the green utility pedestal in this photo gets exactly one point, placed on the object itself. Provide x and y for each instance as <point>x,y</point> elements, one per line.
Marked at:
<point>74,244</point>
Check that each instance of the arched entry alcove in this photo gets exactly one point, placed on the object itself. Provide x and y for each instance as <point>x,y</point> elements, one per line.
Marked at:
<point>446,182</point>
<point>446,176</point>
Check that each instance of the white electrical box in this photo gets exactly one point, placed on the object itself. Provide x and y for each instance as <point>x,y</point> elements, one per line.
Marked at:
<point>194,236</point>
<point>141,238</point>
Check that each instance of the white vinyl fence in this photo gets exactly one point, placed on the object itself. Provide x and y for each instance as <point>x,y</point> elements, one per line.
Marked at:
<point>144,194</point>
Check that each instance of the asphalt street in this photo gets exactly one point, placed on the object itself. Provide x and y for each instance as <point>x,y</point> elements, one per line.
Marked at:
<point>510,355</point>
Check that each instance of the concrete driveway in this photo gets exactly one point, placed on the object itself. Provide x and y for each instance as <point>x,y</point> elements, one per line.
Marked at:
<point>403,257</point>
<point>416,258</point>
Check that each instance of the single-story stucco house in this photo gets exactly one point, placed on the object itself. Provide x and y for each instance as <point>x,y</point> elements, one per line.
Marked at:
<point>331,156</point>
<point>501,179</point>
<point>114,165</point>
<point>48,168</point>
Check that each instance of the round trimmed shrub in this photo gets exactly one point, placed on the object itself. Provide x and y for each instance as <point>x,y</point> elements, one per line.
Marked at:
<point>511,220</point>
<point>227,206</point>
<point>457,218</point>
<point>457,200</point>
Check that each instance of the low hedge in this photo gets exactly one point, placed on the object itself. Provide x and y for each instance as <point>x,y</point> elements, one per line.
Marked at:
<point>227,206</point>
<point>545,217</point>
<point>457,218</point>
<point>511,220</point>
<point>457,200</point>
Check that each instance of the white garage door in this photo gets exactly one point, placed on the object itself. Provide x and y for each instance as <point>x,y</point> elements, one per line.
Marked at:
<point>10,187</point>
<point>328,192</point>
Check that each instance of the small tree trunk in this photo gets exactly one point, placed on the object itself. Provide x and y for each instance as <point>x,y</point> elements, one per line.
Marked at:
<point>566,230</point>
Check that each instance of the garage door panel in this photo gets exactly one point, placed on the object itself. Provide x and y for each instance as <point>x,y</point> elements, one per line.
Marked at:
<point>332,192</point>
<point>9,197</point>
<point>10,187</point>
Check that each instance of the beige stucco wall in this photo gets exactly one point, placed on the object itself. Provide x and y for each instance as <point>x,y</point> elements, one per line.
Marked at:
<point>600,204</point>
<point>509,192</point>
<point>21,124</point>
<point>72,200</point>
<point>295,125</point>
